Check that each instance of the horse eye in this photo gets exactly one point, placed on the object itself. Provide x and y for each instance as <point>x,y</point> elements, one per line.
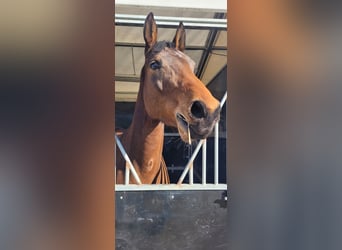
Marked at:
<point>155,65</point>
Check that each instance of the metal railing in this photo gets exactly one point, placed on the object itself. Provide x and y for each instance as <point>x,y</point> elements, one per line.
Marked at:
<point>167,21</point>
<point>187,170</point>
<point>129,165</point>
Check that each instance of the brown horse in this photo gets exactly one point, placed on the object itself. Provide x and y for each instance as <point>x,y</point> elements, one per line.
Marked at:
<point>171,94</point>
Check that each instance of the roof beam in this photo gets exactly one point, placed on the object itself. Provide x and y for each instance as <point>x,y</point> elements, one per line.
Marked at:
<point>142,45</point>
<point>209,46</point>
<point>212,5</point>
<point>164,21</point>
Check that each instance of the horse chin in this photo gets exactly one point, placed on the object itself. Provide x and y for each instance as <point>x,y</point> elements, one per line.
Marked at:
<point>184,135</point>
<point>183,128</point>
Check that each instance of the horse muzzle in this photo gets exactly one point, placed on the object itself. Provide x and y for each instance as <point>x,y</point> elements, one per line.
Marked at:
<point>198,124</point>
<point>200,128</point>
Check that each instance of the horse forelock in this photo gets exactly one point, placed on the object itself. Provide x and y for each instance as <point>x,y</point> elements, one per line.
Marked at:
<point>158,47</point>
<point>161,45</point>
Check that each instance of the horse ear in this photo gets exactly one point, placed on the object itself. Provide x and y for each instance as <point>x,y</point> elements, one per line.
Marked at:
<point>150,31</point>
<point>179,39</point>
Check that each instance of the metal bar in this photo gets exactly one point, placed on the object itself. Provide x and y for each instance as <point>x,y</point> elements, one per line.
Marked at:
<point>175,168</point>
<point>127,79</point>
<point>189,164</point>
<point>204,162</point>
<point>183,187</point>
<point>191,174</point>
<point>190,47</point>
<point>171,134</point>
<point>114,164</point>
<point>188,26</point>
<point>127,172</point>
<point>223,100</point>
<point>206,6</point>
<point>124,154</point>
<point>195,23</point>
<point>219,20</point>
<point>222,134</point>
<point>216,156</point>
<point>216,145</point>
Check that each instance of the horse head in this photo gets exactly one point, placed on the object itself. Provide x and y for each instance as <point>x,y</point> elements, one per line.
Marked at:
<point>171,91</point>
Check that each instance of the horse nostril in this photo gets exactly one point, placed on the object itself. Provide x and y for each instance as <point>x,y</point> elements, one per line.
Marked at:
<point>198,110</point>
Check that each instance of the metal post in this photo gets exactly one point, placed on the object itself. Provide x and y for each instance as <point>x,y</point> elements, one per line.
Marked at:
<point>127,172</point>
<point>216,145</point>
<point>130,165</point>
<point>114,164</point>
<point>216,158</point>
<point>189,165</point>
<point>223,100</point>
<point>191,174</point>
<point>204,162</point>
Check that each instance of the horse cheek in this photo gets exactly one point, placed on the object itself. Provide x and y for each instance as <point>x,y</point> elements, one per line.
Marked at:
<point>150,103</point>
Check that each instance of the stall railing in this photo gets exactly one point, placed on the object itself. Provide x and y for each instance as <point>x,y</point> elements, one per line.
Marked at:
<point>187,170</point>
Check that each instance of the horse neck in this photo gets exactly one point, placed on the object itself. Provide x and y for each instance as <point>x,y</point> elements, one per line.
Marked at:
<point>143,126</point>
<point>146,141</point>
